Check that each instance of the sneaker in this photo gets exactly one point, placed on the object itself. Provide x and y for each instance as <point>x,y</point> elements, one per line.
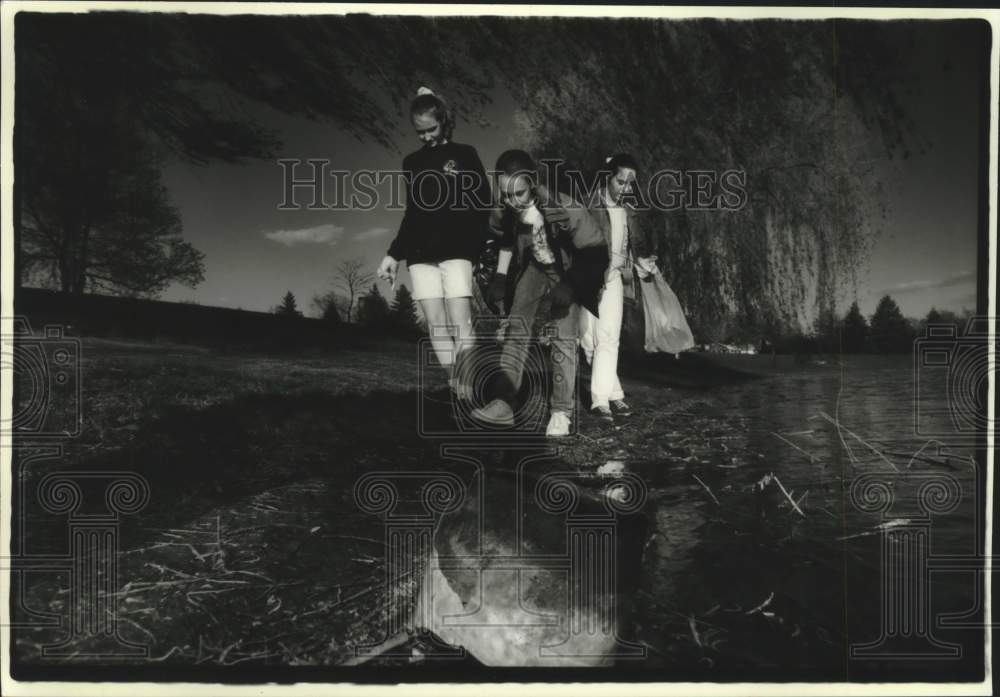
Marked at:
<point>496,413</point>
<point>603,413</point>
<point>558,425</point>
<point>621,407</point>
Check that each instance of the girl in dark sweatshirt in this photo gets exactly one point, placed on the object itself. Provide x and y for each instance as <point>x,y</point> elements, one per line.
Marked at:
<point>444,229</point>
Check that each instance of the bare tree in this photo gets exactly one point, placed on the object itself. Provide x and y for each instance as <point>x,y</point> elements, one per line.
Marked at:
<point>350,278</point>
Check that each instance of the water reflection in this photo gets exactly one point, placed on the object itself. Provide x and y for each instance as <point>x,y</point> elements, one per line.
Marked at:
<point>762,559</point>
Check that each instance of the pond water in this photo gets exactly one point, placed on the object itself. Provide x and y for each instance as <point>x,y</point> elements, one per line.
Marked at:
<point>864,583</point>
<point>814,524</point>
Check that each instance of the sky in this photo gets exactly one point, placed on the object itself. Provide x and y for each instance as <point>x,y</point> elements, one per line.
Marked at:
<point>925,255</point>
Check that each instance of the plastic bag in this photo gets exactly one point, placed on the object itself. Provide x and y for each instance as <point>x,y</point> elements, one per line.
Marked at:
<point>667,329</point>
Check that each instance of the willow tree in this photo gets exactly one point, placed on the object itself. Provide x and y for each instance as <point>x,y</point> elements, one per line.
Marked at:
<point>802,107</point>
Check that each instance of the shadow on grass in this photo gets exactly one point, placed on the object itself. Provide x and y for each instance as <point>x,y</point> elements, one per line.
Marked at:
<point>199,459</point>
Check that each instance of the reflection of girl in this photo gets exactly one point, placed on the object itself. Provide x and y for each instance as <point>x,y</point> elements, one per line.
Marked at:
<point>627,245</point>
<point>444,228</point>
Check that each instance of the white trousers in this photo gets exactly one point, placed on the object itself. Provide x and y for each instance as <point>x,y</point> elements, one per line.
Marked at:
<point>599,338</point>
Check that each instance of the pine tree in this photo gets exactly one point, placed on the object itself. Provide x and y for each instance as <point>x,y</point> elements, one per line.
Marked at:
<point>404,310</point>
<point>890,332</point>
<point>937,322</point>
<point>855,330</point>
<point>288,306</point>
<point>373,310</point>
<point>826,331</point>
<point>326,307</point>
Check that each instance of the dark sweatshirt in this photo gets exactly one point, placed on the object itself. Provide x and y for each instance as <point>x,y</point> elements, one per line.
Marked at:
<point>448,201</point>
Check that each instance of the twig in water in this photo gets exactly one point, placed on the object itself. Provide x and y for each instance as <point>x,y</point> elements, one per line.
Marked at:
<point>198,555</point>
<point>918,456</point>
<point>707,489</point>
<point>225,651</point>
<point>811,457</point>
<point>694,632</point>
<point>254,657</point>
<point>167,655</point>
<point>389,644</point>
<point>264,527</point>
<point>137,626</point>
<point>789,496</point>
<point>211,592</point>
<point>166,569</point>
<point>251,573</point>
<point>841,428</point>
<point>882,527</point>
<point>767,601</point>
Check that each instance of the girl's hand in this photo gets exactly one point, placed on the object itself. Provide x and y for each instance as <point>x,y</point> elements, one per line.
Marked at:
<point>648,266</point>
<point>387,269</point>
<point>532,216</point>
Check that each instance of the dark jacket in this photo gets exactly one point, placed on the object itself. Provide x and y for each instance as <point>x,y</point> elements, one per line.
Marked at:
<point>448,198</point>
<point>576,239</point>
<point>641,240</point>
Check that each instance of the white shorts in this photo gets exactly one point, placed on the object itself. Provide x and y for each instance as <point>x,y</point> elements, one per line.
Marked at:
<point>451,278</point>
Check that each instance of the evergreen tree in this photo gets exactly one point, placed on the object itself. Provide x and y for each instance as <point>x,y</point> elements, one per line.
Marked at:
<point>826,331</point>
<point>855,330</point>
<point>890,332</point>
<point>288,306</point>
<point>404,310</point>
<point>373,310</point>
<point>326,307</point>
<point>938,321</point>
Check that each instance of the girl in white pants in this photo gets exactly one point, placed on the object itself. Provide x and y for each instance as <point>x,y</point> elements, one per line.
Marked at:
<point>600,335</point>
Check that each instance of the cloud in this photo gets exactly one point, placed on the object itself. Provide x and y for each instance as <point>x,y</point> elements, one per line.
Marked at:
<point>320,234</point>
<point>966,300</point>
<point>371,234</point>
<point>959,279</point>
